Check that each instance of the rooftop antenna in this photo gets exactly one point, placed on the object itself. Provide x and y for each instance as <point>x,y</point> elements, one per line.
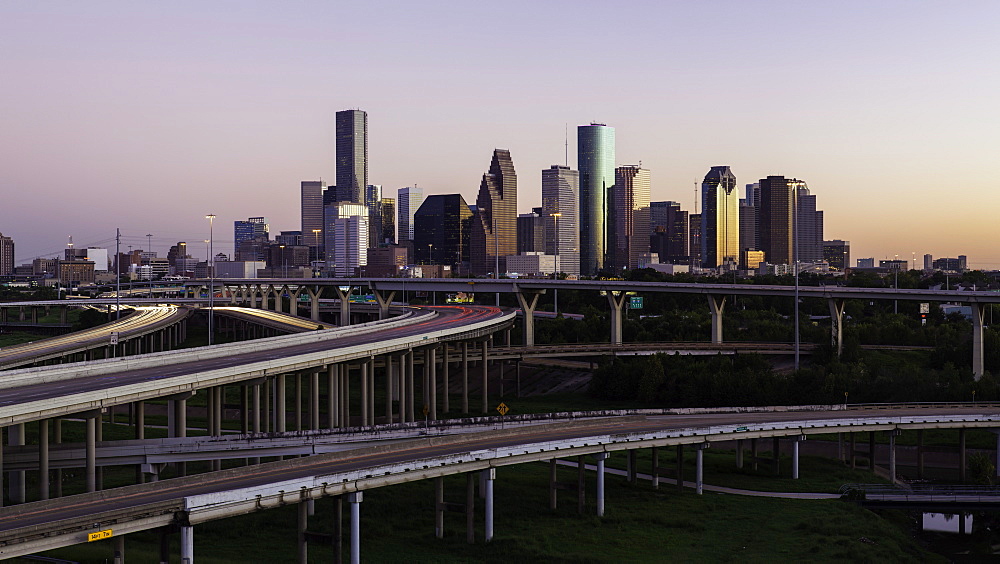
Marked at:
<point>70,244</point>
<point>696,197</point>
<point>567,144</point>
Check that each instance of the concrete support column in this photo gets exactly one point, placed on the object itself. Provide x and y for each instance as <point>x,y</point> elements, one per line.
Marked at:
<point>280,404</point>
<point>17,492</point>
<point>920,454</point>
<point>465,378</point>
<point>795,456</point>
<point>978,318</point>
<point>3,475</point>
<point>892,453</point>
<point>553,497</point>
<point>491,476</point>
<point>410,395</point>
<point>717,304</point>
<point>600,458</point>
<point>430,362</point>
<point>631,470</point>
<point>333,395</point>
<point>390,379</point>
<point>655,473</point>
<point>528,300</point>
<point>445,383</point>
<point>303,523</point>
<point>837,324</point>
<point>297,378</point>
<point>776,454</point>
<point>384,300</point>
<point>699,468</point>
<point>119,542</point>
<point>57,438</point>
<point>401,387</point>
<point>313,302</point>
<point>91,450</point>
<point>680,468</point>
<point>355,499</point>
<point>364,393</point>
<point>616,299</point>
<point>314,400</point>
<point>485,373</point>
<point>187,544</point>
<point>581,484</point>
<point>345,395</point>
<point>43,459</point>
<point>345,306</point>
<point>871,451</point>
<point>439,507</point>
<point>739,453</point>
<point>962,459</point>
<point>470,507</point>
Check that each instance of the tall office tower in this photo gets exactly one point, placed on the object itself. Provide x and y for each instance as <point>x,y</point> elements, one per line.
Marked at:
<point>408,201</point>
<point>837,253</point>
<point>346,232</point>
<point>494,232</point>
<point>694,238</point>
<point>629,230</point>
<point>530,232</point>
<point>596,163</point>
<point>669,223</point>
<point>928,262</point>
<point>373,201</point>
<point>252,228</point>
<point>352,155</point>
<point>753,194</point>
<point>777,195</point>
<point>561,195</point>
<point>6,255</point>
<point>178,251</point>
<point>312,217</point>
<point>441,231</point>
<point>809,226</point>
<point>748,226</point>
<point>720,218</point>
<point>388,221</point>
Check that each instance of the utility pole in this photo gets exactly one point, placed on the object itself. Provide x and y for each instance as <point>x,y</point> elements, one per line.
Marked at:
<point>118,273</point>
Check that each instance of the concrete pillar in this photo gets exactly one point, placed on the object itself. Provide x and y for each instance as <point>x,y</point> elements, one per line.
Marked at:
<point>355,499</point>
<point>43,459</point>
<point>119,542</point>
<point>699,468</point>
<point>17,492</point>
<point>445,383</point>
<point>384,300</point>
<point>962,459</point>
<point>616,299</point>
<point>297,378</point>
<point>430,362</point>
<point>920,454</point>
<point>655,474</point>
<point>91,450</point>
<point>57,438</point>
<point>345,306</point>
<point>528,300</point>
<point>978,318</point>
<point>631,469</point>
<point>410,395</point>
<point>871,450</point>
<point>739,453</point>
<point>837,324</point>
<point>187,544</point>
<point>581,484</point>
<point>491,476</point>
<point>795,456</point>
<point>313,302</point>
<point>600,458</point>
<point>553,497</point>
<point>333,395</point>
<point>853,449</point>
<point>439,507</point>
<point>364,393</point>
<point>470,507</point>
<point>716,303</point>
<point>390,379</point>
<point>465,378</point>
<point>892,454</point>
<point>314,400</point>
<point>776,454</point>
<point>303,523</point>
<point>679,472</point>
<point>345,395</point>
<point>485,374</point>
<point>280,404</point>
<point>401,387</point>
<point>3,475</point>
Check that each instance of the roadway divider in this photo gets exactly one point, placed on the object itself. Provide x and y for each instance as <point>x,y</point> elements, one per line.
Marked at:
<point>26,376</point>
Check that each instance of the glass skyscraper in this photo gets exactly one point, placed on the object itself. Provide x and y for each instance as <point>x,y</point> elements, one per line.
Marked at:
<point>407,203</point>
<point>494,236</point>
<point>720,218</point>
<point>596,164</point>
<point>352,155</point>
<point>312,217</point>
<point>630,214</point>
<point>561,195</point>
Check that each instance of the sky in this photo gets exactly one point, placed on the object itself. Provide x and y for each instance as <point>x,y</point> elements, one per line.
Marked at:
<point>146,116</point>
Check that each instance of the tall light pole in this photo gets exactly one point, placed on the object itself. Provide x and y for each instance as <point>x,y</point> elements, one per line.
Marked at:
<point>795,259</point>
<point>284,260</point>
<point>555,275</point>
<point>316,233</point>
<point>895,284</point>
<point>211,275</point>
<point>149,249</point>
<point>496,250</point>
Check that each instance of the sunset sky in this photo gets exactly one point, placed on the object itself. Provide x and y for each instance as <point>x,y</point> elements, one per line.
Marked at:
<point>149,115</point>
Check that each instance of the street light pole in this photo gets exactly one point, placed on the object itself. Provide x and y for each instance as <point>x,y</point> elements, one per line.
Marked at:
<point>795,259</point>
<point>149,249</point>
<point>211,275</point>
<point>555,291</point>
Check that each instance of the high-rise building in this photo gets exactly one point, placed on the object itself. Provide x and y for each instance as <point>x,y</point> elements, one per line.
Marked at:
<point>494,233</point>
<point>373,201</point>
<point>252,228</point>
<point>837,253</point>
<point>388,221</point>
<point>669,237</point>
<point>441,231</point>
<point>352,155</point>
<point>928,262</point>
<point>720,218</point>
<point>694,238</point>
<point>808,226</point>
<point>596,163</point>
<point>530,232</point>
<point>560,214</point>
<point>748,226</point>
<point>629,225</point>
<point>777,195</point>
<point>346,231</point>
<point>407,203</point>
<point>312,216</point>
<point>6,255</point>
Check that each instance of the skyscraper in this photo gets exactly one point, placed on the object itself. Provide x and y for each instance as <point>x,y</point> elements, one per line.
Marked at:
<point>352,155</point>
<point>777,210</point>
<point>809,226</point>
<point>670,237</point>
<point>561,195</point>
<point>254,228</point>
<point>312,217</point>
<point>630,213</point>
<point>407,203</point>
<point>441,234</point>
<point>373,201</point>
<point>720,218</point>
<point>494,232</point>
<point>6,255</point>
<point>388,221</point>
<point>346,231</point>
<point>530,232</point>
<point>596,163</point>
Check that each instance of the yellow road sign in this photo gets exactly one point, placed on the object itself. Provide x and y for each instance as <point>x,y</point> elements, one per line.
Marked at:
<point>99,535</point>
<point>502,409</point>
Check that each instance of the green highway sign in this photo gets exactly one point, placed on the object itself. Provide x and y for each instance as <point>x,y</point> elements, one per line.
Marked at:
<point>635,302</point>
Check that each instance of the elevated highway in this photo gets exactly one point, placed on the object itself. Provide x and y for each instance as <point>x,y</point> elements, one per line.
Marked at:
<point>185,502</point>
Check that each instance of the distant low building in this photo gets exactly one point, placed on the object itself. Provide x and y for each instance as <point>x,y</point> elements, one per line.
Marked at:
<point>238,269</point>
<point>531,264</point>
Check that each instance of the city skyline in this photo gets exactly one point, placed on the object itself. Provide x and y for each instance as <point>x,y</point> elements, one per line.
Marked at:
<point>874,119</point>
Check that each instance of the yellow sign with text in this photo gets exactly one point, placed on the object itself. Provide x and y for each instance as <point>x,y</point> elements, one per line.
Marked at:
<point>99,535</point>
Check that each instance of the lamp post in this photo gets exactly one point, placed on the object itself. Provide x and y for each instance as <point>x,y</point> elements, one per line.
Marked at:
<point>496,250</point>
<point>284,260</point>
<point>555,275</point>
<point>149,249</point>
<point>211,275</point>
<point>795,259</point>
<point>316,233</point>
<point>895,284</point>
